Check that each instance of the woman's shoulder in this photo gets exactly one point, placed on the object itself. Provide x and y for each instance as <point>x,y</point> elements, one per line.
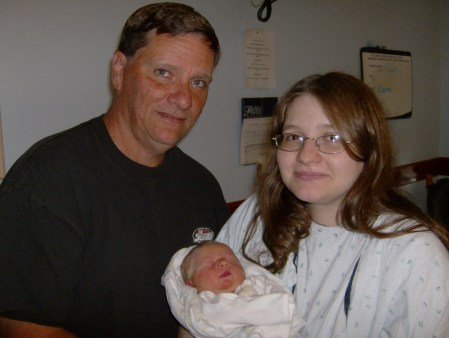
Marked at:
<point>247,207</point>
<point>239,220</point>
<point>234,231</point>
<point>419,247</point>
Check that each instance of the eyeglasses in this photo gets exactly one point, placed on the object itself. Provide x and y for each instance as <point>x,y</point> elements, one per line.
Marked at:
<point>328,144</point>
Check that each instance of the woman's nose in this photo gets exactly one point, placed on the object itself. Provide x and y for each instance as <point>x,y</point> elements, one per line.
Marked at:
<point>308,152</point>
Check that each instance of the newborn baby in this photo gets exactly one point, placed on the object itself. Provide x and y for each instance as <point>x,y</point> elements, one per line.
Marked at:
<point>212,266</point>
<point>212,294</point>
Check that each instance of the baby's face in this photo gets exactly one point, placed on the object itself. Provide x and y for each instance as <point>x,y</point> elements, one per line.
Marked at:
<point>217,269</point>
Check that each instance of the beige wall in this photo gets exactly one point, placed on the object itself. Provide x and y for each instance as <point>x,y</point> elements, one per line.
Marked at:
<point>55,55</point>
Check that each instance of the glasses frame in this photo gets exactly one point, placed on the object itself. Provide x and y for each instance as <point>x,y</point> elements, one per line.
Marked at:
<point>303,139</point>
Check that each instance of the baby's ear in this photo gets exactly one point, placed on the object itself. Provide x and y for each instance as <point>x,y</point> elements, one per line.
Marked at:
<point>189,282</point>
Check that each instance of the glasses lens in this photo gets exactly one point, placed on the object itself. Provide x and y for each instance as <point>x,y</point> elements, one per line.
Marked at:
<point>289,142</point>
<point>330,144</point>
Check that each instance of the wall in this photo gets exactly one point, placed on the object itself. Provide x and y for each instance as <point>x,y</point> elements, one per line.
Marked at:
<point>55,57</point>
<point>444,121</point>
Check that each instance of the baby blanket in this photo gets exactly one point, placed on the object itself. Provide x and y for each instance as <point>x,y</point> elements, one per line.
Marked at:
<point>260,307</point>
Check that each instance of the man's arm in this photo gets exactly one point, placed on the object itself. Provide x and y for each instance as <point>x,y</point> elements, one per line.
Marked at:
<point>10,328</point>
<point>182,333</point>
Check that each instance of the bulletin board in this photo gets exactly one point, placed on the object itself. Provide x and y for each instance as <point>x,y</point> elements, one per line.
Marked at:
<point>389,74</point>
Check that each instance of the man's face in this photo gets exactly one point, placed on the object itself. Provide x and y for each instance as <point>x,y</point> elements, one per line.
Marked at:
<point>162,89</point>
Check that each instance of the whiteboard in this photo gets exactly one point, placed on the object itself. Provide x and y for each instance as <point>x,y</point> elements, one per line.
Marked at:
<point>389,74</point>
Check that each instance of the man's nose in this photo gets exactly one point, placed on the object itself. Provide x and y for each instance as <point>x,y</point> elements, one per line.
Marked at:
<point>181,95</point>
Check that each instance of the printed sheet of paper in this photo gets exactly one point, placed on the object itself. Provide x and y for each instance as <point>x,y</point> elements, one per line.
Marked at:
<point>258,53</point>
<point>255,140</point>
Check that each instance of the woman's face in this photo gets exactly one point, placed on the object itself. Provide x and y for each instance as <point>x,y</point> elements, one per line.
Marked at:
<point>320,179</point>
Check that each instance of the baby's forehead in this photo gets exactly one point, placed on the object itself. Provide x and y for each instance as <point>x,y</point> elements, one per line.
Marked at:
<point>213,247</point>
<point>214,244</point>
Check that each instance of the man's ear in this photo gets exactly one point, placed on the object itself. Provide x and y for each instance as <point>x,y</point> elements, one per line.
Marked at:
<point>119,61</point>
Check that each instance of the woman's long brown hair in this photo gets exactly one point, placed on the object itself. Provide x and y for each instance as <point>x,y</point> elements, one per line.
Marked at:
<point>354,110</point>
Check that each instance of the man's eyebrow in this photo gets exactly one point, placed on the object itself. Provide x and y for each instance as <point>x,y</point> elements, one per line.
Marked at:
<point>170,67</point>
<point>204,77</point>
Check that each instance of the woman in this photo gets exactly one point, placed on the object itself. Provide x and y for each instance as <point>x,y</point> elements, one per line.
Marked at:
<point>362,260</point>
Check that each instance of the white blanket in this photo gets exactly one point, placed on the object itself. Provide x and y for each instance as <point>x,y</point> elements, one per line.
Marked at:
<point>260,307</point>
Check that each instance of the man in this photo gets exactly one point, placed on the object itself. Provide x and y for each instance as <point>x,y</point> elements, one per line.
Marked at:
<point>90,217</point>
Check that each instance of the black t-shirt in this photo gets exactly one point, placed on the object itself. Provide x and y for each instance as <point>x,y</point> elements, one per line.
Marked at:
<point>86,233</point>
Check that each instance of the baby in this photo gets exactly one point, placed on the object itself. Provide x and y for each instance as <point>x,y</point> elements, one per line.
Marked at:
<point>213,294</point>
<point>212,266</point>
